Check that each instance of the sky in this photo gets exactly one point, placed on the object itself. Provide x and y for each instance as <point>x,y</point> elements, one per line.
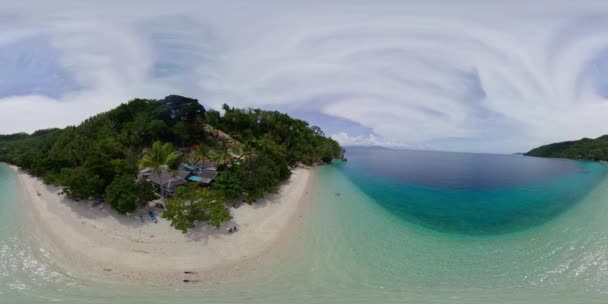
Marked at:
<point>476,76</point>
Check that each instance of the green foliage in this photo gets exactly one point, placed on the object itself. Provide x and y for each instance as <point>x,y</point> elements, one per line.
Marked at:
<point>263,174</point>
<point>126,195</point>
<point>587,149</point>
<point>200,153</point>
<point>191,204</point>
<point>293,138</point>
<point>229,184</point>
<point>31,151</point>
<point>126,166</point>
<point>157,129</point>
<point>79,184</point>
<point>159,156</point>
<point>180,132</point>
<point>213,117</point>
<point>221,155</point>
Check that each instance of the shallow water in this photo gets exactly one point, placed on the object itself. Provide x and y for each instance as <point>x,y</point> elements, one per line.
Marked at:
<point>357,248</point>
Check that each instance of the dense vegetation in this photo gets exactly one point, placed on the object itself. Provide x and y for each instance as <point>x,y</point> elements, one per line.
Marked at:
<point>124,194</point>
<point>276,133</point>
<point>193,203</point>
<point>586,148</point>
<point>100,158</point>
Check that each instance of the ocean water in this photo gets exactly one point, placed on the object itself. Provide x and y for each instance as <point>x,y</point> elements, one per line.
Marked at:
<point>471,193</point>
<point>390,227</point>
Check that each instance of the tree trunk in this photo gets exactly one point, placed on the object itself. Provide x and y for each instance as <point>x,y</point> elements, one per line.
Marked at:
<point>166,193</point>
<point>162,190</point>
<point>162,193</point>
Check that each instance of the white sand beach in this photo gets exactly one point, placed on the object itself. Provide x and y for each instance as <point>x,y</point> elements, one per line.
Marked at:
<point>99,244</point>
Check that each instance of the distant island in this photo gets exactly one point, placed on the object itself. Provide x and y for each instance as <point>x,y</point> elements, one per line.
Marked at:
<point>583,149</point>
<point>192,161</point>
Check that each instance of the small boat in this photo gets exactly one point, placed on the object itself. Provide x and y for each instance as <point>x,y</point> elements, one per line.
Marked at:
<point>152,216</point>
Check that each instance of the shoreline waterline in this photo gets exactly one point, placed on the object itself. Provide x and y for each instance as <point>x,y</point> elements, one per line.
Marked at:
<point>97,244</point>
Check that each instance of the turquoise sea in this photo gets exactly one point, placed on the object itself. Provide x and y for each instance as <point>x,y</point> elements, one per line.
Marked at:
<point>389,227</point>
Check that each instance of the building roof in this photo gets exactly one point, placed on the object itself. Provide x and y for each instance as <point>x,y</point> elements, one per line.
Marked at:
<point>207,176</point>
<point>168,179</point>
<point>209,165</point>
<point>182,174</point>
<point>188,167</point>
<point>194,178</point>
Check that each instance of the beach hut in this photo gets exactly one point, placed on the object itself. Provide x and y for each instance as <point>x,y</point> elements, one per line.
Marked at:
<point>183,174</point>
<point>168,181</point>
<point>204,177</point>
<point>208,165</point>
<point>207,177</point>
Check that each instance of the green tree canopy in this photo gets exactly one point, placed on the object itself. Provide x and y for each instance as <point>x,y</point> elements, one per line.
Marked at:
<point>200,153</point>
<point>263,174</point>
<point>80,184</point>
<point>126,195</point>
<point>586,148</point>
<point>191,204</point>
<point>229,184</point>
<point>221,155</point>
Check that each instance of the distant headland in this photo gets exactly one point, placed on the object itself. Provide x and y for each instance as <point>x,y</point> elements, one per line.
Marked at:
<point>583,149</point>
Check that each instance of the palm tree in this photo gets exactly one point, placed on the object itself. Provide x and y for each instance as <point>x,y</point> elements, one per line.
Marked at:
<point>246,153</point>
<point>221,155</point>
<point>200,154</point>
<point>267,144</point>
<point>158,158</point>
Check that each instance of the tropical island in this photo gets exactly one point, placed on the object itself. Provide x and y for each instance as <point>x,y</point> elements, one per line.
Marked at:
<point>207,174</point>
<point>175,147</point>
<point>583,149</point>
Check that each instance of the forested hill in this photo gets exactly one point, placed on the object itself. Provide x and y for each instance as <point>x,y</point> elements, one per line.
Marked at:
<point>101,157</point>
<point>586,149</point>
<point>110,143</point>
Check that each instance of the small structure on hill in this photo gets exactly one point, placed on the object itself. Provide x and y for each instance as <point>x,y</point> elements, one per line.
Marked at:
<point>204,174</point>
<point>166,180</point>
<point>207,177</point>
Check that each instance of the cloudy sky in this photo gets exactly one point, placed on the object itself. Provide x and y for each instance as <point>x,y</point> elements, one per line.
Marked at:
<point>482,76</point>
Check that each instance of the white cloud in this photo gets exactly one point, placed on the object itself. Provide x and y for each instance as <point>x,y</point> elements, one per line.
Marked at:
<point>347,140</point>
<point>472,75</point>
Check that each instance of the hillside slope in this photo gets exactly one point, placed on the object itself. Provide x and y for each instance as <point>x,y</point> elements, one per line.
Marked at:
<point>586,148</point>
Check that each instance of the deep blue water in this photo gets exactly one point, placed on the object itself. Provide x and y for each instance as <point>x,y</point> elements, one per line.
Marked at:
<point>471,193</point>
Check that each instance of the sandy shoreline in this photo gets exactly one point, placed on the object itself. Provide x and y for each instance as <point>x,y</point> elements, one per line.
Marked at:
<point>97,243</point>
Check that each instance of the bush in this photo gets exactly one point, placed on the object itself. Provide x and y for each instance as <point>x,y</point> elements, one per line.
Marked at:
<point>229,185</point>
<point>126,195</point>
<point>191,204</point>
<point>80,184</point>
